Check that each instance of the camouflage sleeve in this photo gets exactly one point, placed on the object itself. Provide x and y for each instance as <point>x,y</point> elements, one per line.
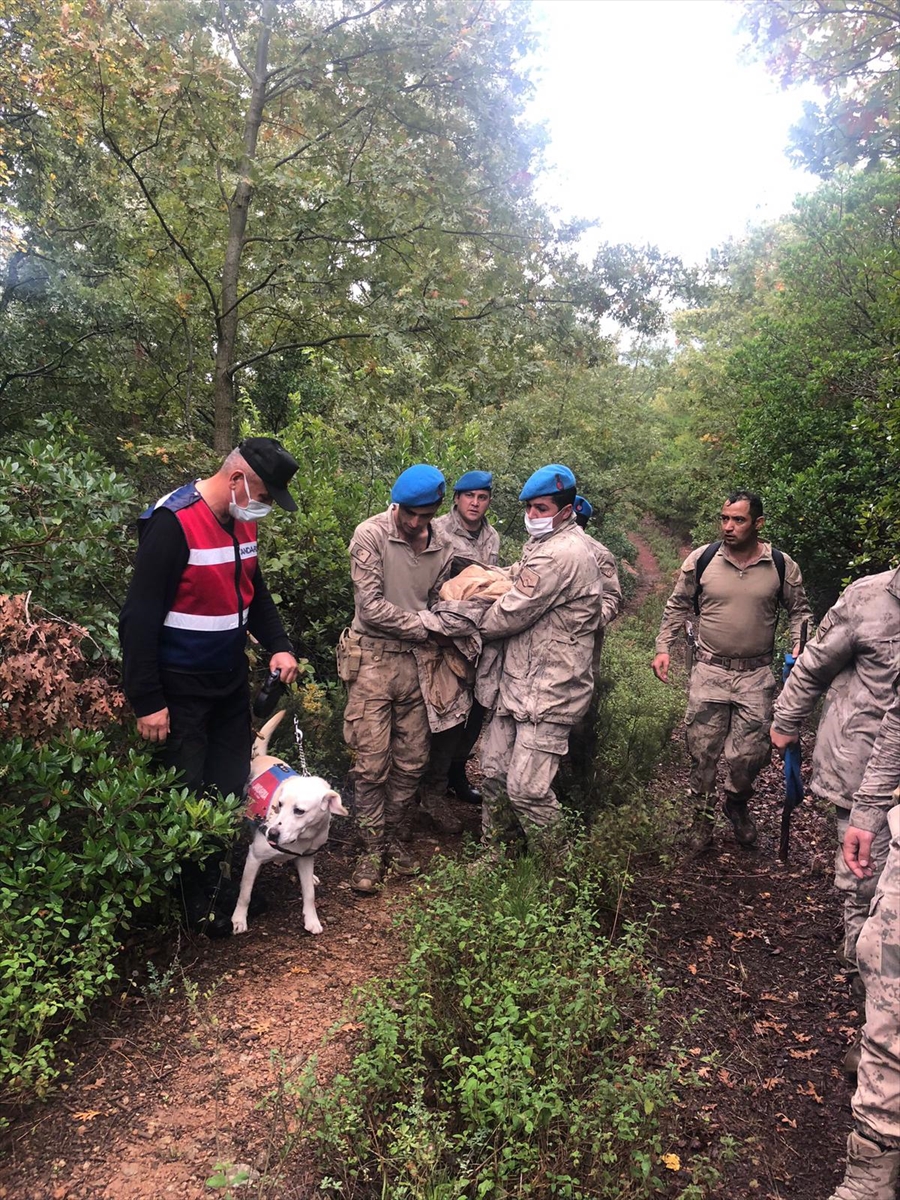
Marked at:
<point>795,600</point>
<point>536,588</point>
<point>493,548</point>
<point>823,658</point>
<point>612,588</point>
<point>679,607</point>
<point>877,792</point>
<point>367,575</point>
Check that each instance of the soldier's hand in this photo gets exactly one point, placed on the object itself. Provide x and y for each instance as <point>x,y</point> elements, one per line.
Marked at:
<point>155,726</point>
<point>660,667</point>
<point>781,741</point>
<point>857,851</point>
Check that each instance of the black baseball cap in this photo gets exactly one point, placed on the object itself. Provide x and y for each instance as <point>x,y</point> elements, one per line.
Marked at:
<point>275,467</point>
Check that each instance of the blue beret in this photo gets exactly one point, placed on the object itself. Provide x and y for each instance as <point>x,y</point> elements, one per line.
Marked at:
<point>419,487</point>
<point>548,480</point>
<point>583,507</point>
<point>474,481</point>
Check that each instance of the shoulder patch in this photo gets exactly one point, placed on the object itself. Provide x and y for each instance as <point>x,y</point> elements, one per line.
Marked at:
<point>528,581</point>
<point>361,554</point>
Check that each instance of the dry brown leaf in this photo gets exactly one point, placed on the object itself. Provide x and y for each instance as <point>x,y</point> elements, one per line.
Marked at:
<point>810,1091</point>
<point>785,1120</point>
<point>692,967</point>
<point>805,1054</point>
<point>724,1076</point>
<point>87,1115</point>
<point>803,1037</point>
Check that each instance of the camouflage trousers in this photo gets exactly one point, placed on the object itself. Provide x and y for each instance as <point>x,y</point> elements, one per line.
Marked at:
<point>520,760</point>
<point>858,893</point>
<point>876,1102</point>
<point>386,725</point>
<point>728,713</point>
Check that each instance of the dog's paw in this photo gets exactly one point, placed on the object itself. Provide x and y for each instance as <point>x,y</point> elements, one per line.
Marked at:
<point>316,881</point>
<point>314,926</point>
<point>239,924</point>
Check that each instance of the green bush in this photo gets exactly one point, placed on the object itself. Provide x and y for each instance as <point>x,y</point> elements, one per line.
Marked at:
<point>63,514</point>
<point>87,836</point>
<point>514,1052</point>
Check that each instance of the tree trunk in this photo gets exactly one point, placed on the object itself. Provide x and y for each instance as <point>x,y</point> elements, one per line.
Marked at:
<point>226,340</point>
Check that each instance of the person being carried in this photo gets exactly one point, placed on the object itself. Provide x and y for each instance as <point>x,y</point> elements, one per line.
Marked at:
<point>474,540</point>
<point>196,592</point>
<point>733,612</point>
<point>398,562</point>
<point>545,625</point>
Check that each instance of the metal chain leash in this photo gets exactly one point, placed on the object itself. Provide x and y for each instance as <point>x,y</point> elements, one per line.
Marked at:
<point>298,738</point>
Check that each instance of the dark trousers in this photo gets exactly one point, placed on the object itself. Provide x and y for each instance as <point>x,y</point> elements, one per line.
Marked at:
<point>210,736</point>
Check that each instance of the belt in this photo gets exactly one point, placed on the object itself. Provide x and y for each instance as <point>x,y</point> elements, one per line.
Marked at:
<point>733,664</point>
<point>386,645</point>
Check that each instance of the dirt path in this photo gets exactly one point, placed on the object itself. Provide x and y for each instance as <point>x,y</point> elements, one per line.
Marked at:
<point>186,1069</point>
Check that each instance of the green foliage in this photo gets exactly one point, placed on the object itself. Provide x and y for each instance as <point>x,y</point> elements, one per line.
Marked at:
<point>512,1055</point>
<point>62,527</point>
<point>88,835</point>
<point>850,48</point>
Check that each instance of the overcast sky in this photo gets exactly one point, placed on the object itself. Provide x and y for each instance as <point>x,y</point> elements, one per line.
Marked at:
<point>658,129</point>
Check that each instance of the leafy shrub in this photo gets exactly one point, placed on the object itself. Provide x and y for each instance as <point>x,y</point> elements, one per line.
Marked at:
<point>46,684</point>
<point>512,1055</point>
<point>63,514</point>
<point>87,835</point>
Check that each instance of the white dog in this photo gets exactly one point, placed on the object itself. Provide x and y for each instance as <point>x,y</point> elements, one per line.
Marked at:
<point>297,814</point>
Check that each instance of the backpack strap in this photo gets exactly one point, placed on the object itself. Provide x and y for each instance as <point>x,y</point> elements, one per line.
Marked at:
<point>709,554</point>
<point>699,567</point>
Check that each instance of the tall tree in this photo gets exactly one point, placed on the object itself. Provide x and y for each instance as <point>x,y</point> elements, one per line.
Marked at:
<point>852,49</point>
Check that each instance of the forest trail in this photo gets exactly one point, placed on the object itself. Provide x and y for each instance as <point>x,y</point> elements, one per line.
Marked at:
<point>184,1072</point>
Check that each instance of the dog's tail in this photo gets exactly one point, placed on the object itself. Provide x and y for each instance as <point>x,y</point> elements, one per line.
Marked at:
<point>261,744</point>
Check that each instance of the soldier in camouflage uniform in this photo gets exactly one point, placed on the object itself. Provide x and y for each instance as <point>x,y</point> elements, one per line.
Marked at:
<point>546,623</point>
<point>873,1148</point>
<point>474,540</point>
<point>397,565</point>
<point>853,661</point>
<point>732,685</point>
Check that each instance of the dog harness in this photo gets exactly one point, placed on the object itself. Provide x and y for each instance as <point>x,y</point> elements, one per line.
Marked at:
<point>206,627</point>
<point>263,788</point>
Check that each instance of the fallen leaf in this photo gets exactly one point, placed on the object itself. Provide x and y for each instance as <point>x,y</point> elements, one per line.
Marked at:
<point>671,1162</point>
<point>87,1115</point>
<point>803,1037</point>
<point>692,967</point>
<point>810,1091</point>
<point>807,1054</point>
<point>786,1120</point>
<point>724,1076</point>
<point>772,1082</point>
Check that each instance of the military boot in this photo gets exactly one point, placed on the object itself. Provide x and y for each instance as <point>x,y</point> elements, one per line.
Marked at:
<point>368,873</point>
<point>403,859</point>
<point>458,782</point>
<point>744,826</point>
<point>872,1173</point>
<point>700,836</point>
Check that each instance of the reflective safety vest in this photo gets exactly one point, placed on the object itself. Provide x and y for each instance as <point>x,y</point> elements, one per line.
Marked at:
<point>206,627</point>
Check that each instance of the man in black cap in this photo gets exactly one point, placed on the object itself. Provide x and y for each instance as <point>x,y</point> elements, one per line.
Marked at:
<point>196,593</point>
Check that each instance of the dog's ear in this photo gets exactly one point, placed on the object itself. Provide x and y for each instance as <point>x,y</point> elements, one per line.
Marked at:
<point>333,802</point>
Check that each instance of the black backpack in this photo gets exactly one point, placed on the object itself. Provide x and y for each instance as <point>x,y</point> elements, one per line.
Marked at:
<point>709,554</point>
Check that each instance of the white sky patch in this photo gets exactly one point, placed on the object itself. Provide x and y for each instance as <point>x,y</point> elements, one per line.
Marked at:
<point>658,129</point>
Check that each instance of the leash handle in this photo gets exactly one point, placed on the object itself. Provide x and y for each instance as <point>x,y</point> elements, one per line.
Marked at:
<point>298,738</point>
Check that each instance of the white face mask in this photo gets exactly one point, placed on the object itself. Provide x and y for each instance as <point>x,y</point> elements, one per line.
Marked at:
<point>538,526</point>
<point>253,510</point>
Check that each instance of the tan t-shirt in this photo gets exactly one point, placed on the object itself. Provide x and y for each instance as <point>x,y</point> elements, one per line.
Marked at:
<point>738,606</point>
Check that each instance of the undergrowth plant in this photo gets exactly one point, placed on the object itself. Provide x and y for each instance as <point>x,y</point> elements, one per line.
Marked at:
<point>514,1053</point>
<point>88,835</point>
